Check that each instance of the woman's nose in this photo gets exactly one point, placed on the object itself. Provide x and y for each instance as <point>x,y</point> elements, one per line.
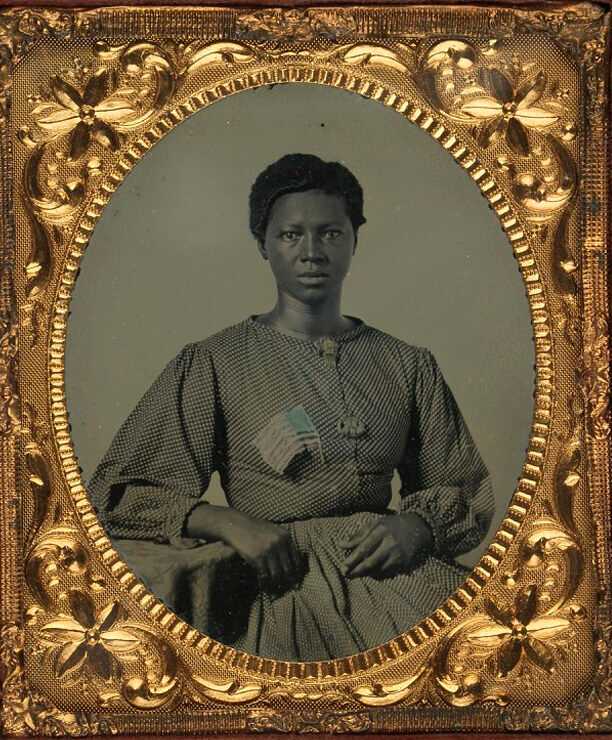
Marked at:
<point>312,248</point>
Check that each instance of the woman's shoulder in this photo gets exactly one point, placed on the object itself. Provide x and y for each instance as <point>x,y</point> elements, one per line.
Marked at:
<point>416,364</point>
<point>405,349</point>
<point>228,339</point>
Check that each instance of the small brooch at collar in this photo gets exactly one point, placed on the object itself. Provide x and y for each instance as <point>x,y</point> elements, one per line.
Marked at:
<point>351,427</point>
<point>328,350</point>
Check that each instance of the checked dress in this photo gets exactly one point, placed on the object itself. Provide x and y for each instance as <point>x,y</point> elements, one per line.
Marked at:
<point>376,405</point>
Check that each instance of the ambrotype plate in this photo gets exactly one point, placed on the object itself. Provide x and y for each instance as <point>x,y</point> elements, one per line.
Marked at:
<point>242,503</point>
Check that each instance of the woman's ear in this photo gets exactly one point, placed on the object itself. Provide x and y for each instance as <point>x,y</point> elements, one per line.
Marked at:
<point>262,249</point>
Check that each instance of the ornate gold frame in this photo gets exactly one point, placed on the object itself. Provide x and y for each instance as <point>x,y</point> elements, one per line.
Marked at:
<point>518,98</point>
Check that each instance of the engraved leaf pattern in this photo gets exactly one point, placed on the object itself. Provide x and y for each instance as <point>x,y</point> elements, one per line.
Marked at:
<point>87,116</point>
<point>567,475</point>
<point>79,141</point>
<point>526,605</point>
<point>64,629</point>
<point>82,608</point>
<point>482,107</point>
<point>509,112</point>
<point>516,136</point>
<point>508,656</point>
<point>104,134</point>
<point>378,695</point>
<point>114,108</point>
<point>540,654</point>
<point>109,615</point>
<point>365,55</point>
<point>102,661</point>
<point>517,633</point>
<point>531,91</point>
<point>536,117</point>
<point>65,94</point>
<point>33,577</point>
<point>40,483</point>
<point>96,87</point>
<point>55,119</point>
<point>219,52</point>
<point>489,636</point>
<point>451,53</point>
<point>230,693</point>
<point>89,638</point>
<point>502,88</point>
<point>546,627</point>
<point>490,132</point>
<point>70,658</point>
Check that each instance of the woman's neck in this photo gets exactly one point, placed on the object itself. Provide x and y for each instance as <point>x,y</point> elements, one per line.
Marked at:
<point>312,321</point>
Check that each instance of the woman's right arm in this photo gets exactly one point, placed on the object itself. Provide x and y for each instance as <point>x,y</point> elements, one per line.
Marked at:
<point>266,546</point>
<point>161,459</point>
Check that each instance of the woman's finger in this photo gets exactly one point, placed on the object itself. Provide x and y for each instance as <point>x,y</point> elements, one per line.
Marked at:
<point>364,548</point>
<point>385,553</point>
<point>288,570</point>
<point>392,562</point>
<point>372,564</point>
<point>297,561</point>
<point>275,571</point>
<point>263,575</point>
<point>358,536</point>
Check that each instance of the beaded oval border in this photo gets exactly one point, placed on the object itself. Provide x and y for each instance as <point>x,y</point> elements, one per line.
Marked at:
<point>419,115</point>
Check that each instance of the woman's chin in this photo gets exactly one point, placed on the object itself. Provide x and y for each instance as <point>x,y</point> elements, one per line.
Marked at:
<point>314,296</point>
<point>314,291</point>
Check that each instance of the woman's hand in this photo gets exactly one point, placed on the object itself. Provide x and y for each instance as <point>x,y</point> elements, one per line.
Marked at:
<point>267,547</point>
<point>270,550</point>
<point>387,546</point>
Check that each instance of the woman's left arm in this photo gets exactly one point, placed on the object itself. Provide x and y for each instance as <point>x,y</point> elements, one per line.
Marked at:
<point>446,495</point>
<point>444,480</point>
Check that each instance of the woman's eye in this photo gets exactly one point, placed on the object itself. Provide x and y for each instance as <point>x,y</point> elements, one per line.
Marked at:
<point>332,233</point>
<point>289,236</point>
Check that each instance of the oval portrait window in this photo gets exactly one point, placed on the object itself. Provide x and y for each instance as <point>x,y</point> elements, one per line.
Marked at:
<point>299,372</point>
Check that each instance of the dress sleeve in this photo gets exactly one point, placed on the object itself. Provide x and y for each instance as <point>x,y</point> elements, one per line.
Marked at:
<point>161,459</point>
<point>444,479</point>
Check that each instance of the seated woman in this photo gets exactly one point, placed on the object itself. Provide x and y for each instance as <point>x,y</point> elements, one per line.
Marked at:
<point>305,413</point>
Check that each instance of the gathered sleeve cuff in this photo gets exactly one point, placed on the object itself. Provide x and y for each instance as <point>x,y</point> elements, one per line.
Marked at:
<point>444,480</point>
<point>161,460</point>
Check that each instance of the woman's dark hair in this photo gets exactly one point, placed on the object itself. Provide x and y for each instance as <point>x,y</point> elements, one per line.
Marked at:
<point>296,173</point>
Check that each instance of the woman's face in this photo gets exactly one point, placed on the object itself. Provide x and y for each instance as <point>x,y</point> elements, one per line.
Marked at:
<point>309,243</point>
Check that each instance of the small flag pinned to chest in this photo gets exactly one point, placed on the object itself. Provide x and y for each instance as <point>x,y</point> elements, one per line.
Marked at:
<point>285,436</point>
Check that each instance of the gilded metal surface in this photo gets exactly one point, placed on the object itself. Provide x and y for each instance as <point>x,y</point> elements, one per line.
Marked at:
<point>507,93</point>
<point>301,24</point>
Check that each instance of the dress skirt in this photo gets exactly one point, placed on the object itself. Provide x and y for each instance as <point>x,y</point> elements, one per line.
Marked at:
<point>324,616</point>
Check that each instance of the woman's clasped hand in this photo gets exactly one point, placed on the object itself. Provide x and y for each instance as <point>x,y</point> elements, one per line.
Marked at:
<point>267,547</point>
<point>270,550</point>
<point>388,546</point>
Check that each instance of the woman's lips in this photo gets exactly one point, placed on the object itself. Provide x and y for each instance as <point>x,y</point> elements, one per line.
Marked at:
<point>313,278</point>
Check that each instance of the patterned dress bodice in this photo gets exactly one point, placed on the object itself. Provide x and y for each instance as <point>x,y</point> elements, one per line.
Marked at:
<point>354,390</point>
<point>376,405</point>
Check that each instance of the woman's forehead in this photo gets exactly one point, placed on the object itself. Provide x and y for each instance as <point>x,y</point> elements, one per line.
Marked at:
<point>309,206</point>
